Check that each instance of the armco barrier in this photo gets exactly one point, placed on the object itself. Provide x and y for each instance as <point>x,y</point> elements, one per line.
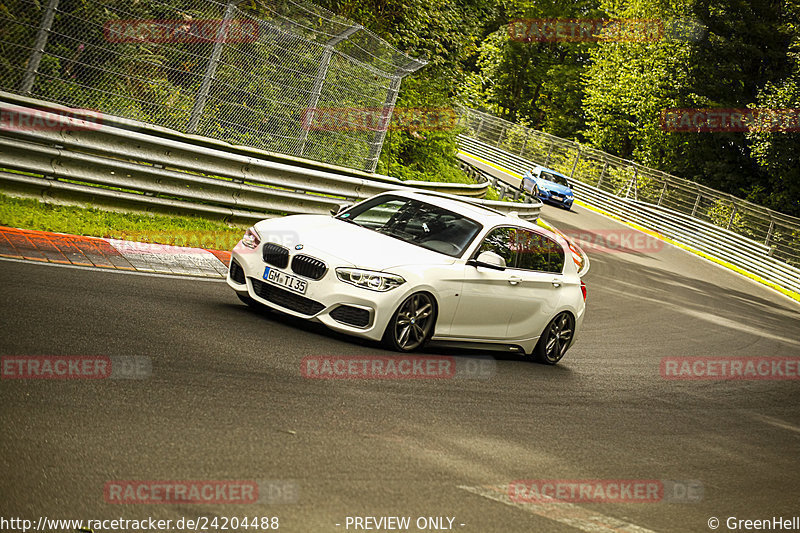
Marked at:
<point>746,254</point>
<point>122,163</point>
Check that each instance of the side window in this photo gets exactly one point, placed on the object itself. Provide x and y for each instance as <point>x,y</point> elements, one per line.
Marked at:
<point>539,253</point>
<point>501,242</point>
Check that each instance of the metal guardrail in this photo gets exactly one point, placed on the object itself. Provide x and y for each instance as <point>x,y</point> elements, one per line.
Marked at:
<point>747,254</point>
<point>254,73</point>
<point>622,177</point>
<point>122,163</point>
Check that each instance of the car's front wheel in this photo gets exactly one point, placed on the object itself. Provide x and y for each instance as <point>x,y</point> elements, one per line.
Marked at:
<point>412,324</point>
<point>555,340</point>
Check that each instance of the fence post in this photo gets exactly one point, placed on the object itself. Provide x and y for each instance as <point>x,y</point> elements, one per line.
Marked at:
<point>696,204</point>
<point>575,164</point>
<point>733,214</point>
<point>319,80</point>
<point>211,69</point>
<point>661,196</point>
<point>602,173</point>
<point>386,118</point>
<point>769,232</point>
<point>635,184</point>
<point>524,142</point>
<point>38,47</point>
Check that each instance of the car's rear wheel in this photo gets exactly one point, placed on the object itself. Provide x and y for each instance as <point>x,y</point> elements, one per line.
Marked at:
<point>412,324</point>
<point>555,340</point>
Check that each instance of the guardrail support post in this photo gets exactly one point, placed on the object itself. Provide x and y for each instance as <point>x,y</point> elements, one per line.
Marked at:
<point>319,80</point>
<point>696,204</point>
<point>524,142</point>
<point>211,69</point>
<point>547,157</point>
<point>575,164</point>
<point>733,214</point>
<point>38,48</point>
<point>769,232</point>
<point>661,196</point>
<point>602,174</point>
<point>386,118</point>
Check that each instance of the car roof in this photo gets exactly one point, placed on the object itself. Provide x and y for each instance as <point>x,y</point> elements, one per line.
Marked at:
<point>464,206</point>
<point>551,171</point>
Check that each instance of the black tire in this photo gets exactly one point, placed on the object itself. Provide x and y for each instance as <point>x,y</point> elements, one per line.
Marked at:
<point>412,324</point>
<point>555,339</point>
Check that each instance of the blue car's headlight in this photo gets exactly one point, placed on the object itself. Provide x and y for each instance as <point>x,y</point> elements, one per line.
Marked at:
<point>369,279</point>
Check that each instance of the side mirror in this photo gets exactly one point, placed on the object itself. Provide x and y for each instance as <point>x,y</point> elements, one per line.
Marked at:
<point>335,210</point>
<point>488,259</point>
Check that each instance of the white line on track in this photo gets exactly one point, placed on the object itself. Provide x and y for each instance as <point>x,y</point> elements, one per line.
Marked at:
<point>563,512</point>
<point>98,269</point>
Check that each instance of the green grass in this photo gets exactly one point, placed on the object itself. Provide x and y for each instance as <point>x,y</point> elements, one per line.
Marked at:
<point>165,229</point>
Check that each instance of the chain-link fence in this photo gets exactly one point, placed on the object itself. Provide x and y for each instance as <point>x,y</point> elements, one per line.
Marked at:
<point>247,73</point>
<point>630,180</point>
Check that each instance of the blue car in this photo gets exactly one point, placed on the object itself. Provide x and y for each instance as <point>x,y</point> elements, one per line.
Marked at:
<point>549,186</point>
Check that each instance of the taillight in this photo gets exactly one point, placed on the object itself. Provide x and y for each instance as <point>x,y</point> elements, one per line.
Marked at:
<point>583,290</point>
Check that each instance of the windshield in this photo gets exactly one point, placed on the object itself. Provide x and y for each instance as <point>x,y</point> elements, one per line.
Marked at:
<point>555,178</point>
<point>415,222</point>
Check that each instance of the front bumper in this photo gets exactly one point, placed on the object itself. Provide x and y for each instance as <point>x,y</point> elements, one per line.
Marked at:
<point>561,201</point>
<point>329,301</point>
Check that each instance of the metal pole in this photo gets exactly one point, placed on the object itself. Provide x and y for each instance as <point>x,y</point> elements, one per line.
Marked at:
<point>696,204</point>
<point>602,174</point>
<point>661,196</point>
<point>386,118</point>
<point>524,142</point>
<point>635,184</point>
<point>38,48</point>
<point>733,214</point>
<point>319,80</point>
<point>575,164</point>
<point>211,69</point>
<point>769,232</point>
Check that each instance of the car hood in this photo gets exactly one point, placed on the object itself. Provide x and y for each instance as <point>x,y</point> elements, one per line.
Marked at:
<point>322,235</point>
<point>553,186</point>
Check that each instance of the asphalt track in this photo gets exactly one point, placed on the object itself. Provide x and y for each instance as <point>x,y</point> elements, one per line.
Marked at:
<point>226,401</point>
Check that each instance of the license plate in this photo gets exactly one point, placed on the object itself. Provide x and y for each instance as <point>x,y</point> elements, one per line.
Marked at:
<point>293,283</point>
<point>559,198</point>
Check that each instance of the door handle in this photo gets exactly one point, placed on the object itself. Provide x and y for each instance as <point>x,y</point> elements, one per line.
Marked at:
<point>514,280</point>
<point>556,283</point>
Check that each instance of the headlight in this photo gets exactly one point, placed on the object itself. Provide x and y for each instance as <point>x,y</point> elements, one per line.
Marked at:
<point>368,279</point>
<point>251,238</point>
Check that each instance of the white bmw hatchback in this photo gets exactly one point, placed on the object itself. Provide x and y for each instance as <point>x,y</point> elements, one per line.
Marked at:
<point>410,267</point>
